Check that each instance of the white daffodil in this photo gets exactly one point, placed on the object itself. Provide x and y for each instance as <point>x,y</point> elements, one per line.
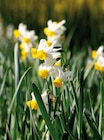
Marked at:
<point>44,51</point>
<point>54,30</point>
<point>19,33</point>
<point>99,57</point>
<point>99,52</point>
<point>33,103</point>
<point>45,68</point>
<point>29,37</point>
<point>60,76</point>
<point>100,60</point>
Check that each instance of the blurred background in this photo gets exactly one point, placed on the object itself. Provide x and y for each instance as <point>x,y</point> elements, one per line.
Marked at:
<point>84,18</point>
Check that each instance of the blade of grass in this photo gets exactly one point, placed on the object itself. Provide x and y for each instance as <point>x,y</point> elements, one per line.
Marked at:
<point>3,83</point>
<point>70,122</point>
<point>75,95</point>
<point>69,125</point>
<point>81,105</point>
<point>16,65</point>
<point>58,126</point>
<point>16,69</point>
<point>91,105</point>
<point>68,134</point>
<point>88,69</point>
<point>44,113</point>
<point>36,132</point>
<point>92,126</point>
<point>101,113</point>
<point>14,97</point>
<point>16,91</point>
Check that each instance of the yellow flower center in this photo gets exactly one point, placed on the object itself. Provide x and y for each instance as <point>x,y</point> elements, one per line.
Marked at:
<point>16,33</point>
<point>21,46</point>
<point>94,54</point>
<point>98,67</point>
<point>26,40</point>
<point>24,54</point>
<point>32,104</point>
<point>43,73</point>
<point>58,63</point>
<point>101,68</point>
<point>48,43</point>
<point>57,82</point>
<point>48,32</point>
<point>41,54</point>
<point>55,22</point>
<point>34,52</point>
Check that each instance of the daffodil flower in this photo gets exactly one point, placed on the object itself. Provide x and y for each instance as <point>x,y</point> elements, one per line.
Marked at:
<point>54,31</point>
<point>44,51</point>
<point>54,28</point>
<point>60,76</point>
<point>99,52</point>
<point>33,103</point>
<point>99,64</point>
<point>46,67</point>
<point>99,57</point>
<point>18,33</point>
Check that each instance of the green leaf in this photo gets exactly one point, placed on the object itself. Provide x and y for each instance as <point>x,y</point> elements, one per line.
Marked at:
<point>81,104</point>
<point>3,83</point>
<point>44,113</point>
<point>20,81</point>
<point>92,126</point>
<point>69,125</point>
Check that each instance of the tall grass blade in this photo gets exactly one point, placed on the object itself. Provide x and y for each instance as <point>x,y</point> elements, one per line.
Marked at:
<point>16,68</point>
<point>14,97</point>
<point>44,113</point>
<point>75,95</point>
<point>81,105</point>
<point>93,127</point>
<point>3,82</point>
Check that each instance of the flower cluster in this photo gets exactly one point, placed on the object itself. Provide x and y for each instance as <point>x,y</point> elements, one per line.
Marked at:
<point>50,51</point>
<point>98,55</point>
<point>27,39</point>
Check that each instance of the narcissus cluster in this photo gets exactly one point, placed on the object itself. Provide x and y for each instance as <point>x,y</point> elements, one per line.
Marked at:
<point>26,38</point>
<point>50,51</point>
